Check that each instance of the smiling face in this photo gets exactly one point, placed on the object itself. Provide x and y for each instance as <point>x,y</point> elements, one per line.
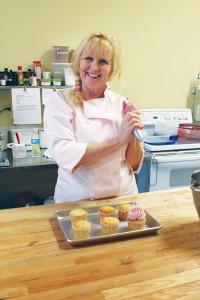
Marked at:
<point>95,69</point>
<point>95,61</point>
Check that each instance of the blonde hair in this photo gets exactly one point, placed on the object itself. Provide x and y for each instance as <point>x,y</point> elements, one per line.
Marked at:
<point>103,43</point>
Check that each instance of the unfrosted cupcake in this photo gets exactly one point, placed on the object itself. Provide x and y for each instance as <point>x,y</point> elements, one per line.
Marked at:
<point>78,214</point>
<point>136,217</point>
<point>123,210</point>
<point>109,225</point>
<point>107,211</point>
<point>81,229</point>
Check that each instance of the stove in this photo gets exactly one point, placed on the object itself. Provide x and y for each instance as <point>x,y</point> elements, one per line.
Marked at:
<point>169,164</point>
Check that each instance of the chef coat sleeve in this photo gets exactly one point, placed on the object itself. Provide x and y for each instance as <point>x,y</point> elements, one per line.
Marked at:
<point>59,133</point>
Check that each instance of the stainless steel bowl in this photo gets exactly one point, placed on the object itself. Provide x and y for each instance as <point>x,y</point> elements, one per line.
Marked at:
<point>195,187</point>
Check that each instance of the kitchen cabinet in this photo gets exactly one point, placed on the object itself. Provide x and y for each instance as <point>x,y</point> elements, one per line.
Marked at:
<point>38,175</point>
<point>28,174</point>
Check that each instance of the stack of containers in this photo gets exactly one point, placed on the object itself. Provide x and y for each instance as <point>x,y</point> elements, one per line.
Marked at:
<point>60,63</point>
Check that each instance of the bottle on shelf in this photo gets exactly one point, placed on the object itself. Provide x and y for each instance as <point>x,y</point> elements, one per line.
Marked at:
<point>27,80</point>
<point>31,74</point>
<point>20,75</point>
<point>198,83</point>
<point>6,75</point>
<point>10,78</point>
<point>35,143</point>
<point>37,70</point>
<point>2,79</point>
<point>14,78</point>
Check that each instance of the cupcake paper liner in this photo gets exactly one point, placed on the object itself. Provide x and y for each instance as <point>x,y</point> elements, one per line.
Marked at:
<point>136,225</point>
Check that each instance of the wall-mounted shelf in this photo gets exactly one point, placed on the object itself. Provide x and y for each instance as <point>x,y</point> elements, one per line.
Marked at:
<point>8,88</point>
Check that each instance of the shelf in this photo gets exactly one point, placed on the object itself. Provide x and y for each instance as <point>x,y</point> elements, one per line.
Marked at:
<point>8,88</point>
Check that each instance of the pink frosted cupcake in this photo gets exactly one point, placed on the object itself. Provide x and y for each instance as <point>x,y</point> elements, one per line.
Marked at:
<point>136,218</point>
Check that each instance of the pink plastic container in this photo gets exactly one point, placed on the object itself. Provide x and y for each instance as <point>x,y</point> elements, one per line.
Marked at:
<point>189,132</point>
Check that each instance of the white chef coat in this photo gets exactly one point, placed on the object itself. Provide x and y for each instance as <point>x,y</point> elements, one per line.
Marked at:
<point>68,130</point>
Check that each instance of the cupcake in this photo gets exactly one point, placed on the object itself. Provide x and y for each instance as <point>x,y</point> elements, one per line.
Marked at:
<point>123,210</point>
<point>107,211</point>
<point>81,229</point>
<point>78,214</point>
<point>109,225</point>
<point>136,217</point>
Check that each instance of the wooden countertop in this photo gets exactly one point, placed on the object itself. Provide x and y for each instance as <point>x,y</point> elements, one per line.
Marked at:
<point>36,262</point>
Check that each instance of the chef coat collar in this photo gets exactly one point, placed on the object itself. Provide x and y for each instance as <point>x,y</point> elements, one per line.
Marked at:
<point>90,111</point>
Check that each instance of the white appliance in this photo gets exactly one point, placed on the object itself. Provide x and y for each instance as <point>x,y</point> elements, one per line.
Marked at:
<point>169,165</point>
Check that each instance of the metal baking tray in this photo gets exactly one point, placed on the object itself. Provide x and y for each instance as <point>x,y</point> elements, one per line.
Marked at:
<point>96,235</point>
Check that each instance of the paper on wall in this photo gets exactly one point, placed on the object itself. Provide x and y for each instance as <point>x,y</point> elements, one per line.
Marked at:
<point>26,104</point>
<point>48,93</point>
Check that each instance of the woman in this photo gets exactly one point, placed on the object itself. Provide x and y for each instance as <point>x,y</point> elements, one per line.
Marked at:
<point>88,130</point>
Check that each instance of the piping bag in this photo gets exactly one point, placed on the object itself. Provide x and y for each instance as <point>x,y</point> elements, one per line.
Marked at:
<point>136,132</point>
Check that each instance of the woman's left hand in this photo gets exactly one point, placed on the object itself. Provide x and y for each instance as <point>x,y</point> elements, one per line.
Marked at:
<point>135,114</point>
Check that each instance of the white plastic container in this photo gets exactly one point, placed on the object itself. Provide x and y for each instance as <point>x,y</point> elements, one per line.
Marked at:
<point>198,82</point>
<point>42,139</point>
<point>24,135</point>
<point>69,77</point>
<point>18,150</point>
<point>45,81</point>
<point>46,75</point>
<point>57,81</point>
<point>166,127</point>
<point>156,139</point>
<point>61,54</point>
<point>198,113</point>
<point>58,71</point>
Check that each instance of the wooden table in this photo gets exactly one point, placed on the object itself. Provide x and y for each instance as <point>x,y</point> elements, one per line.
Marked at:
<point>36,262</point>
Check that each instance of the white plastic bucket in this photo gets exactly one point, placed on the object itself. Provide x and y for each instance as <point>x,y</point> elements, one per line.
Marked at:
<point>18,150</point>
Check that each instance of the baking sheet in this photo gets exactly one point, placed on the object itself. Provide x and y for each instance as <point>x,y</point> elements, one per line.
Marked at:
<point>62,216</point>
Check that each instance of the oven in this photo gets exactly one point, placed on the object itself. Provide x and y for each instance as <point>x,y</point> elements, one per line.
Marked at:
<point>169,164</point>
